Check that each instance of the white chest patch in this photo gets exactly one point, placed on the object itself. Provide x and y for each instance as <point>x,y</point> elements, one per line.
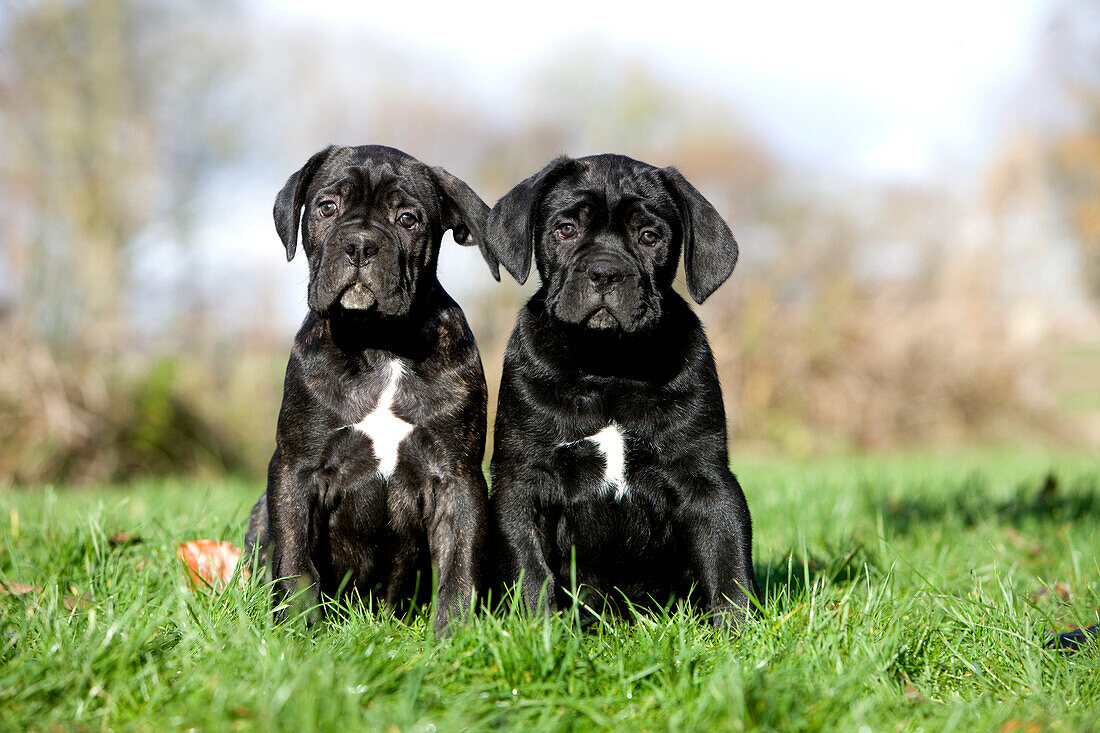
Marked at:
<point>385,429</point>
<point>611,444</point>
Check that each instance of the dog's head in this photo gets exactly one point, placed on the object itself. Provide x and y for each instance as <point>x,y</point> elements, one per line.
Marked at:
<point>606,232</point>
<point>371,219</point>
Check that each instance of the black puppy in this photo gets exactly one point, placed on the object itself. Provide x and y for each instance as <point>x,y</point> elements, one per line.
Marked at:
<point>610,453</point>
<point>376,476</point>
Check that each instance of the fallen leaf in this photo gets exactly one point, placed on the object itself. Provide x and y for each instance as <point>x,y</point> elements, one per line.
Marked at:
<point>123,538</point>
<point>1019,726</point>
<point>76,600</point>
<point>1021,543</point>
<point>909,692</point>
<point>210,564</point>
<point>1059,590</point>
<point>18,589</point>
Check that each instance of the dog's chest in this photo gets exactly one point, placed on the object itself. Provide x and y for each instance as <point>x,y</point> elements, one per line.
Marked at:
<point>385,429</point>
<point>611,445</point>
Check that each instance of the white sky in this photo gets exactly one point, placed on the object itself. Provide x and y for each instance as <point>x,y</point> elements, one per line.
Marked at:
<point>878,87</point>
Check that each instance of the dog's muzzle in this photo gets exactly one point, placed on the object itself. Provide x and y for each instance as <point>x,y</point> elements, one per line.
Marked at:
<point>359,249</point>
<point>603,291</point>
<point>358,297</point>
<point>604,274</point>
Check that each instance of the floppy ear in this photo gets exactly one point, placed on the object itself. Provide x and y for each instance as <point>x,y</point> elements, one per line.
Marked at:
<point>710,251</point>
<point>289,202</point>
<point>465,214</point>
<point>512,224</point>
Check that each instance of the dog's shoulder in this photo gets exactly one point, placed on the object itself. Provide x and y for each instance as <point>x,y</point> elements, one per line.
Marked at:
<point>448,332</point>
<point>311,334</point>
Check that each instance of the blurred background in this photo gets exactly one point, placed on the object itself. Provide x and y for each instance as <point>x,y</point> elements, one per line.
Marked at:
<point>915,188</point>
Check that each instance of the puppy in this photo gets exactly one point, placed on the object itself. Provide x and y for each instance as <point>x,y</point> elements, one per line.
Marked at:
<point>376,477</point>
<point>609,452</point>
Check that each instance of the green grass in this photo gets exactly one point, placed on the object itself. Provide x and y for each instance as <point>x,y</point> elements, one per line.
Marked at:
<point>899,597</point>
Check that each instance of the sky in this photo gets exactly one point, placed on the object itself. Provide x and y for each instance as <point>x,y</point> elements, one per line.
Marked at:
<point>873,90</point>
<point>884,89</point>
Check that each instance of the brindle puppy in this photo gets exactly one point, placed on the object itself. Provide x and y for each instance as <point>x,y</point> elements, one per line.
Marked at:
<point>376,477</point>
<point>610,438</point>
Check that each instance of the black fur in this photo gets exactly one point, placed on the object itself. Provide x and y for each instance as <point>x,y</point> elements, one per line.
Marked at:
<point>607,342</point>
<point>330,520</point>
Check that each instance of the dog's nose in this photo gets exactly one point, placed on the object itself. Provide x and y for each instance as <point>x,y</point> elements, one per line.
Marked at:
<point>359,250</point>
<point>604,275</point>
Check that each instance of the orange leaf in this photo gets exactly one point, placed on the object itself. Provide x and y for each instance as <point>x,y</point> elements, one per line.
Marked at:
<point>210,564</point>
<point>1019,726</point>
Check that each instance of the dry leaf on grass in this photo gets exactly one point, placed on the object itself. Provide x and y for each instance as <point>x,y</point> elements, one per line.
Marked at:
<point>1059,590</point>
<point>1020,726</point>
<point>210,564</point>
<point>19,589</point>
<point>910,692</point>
<point>123,538</point>
<point>1023,544</point>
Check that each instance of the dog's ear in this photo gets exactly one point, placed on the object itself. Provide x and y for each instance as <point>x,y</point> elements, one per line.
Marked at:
<point>512,220</point>
<point>710,251</point>
<point>289,201</point>
<point>465,214</point>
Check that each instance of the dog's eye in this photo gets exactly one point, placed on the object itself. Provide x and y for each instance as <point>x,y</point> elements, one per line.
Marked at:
<point>566,231</point>
<point>327,208</point>
<point>408,220</point>
<point>649,237</point>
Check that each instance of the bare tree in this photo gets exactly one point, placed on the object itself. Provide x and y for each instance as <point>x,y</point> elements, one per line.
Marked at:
<point>105,109</point>
<point>1074,52</point>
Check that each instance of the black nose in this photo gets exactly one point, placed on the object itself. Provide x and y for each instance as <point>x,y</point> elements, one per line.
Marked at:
<point>359,250</point>
<point>604,275</point>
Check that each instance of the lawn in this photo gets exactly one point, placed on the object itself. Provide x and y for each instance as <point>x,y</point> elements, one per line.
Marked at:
<point>902,593</point>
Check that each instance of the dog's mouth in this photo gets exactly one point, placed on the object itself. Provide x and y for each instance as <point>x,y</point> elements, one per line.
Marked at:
<point>603,319</point>
<point>358,297</point>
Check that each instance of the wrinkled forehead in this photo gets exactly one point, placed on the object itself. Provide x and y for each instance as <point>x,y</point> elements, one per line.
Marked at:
<point>613,188</point>
<point>379,177</point>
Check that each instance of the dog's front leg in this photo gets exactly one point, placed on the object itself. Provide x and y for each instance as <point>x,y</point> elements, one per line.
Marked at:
<point>292,567</point>
<point>256,538</point>
<point>456,540</point>
<point>716,519</point>
<point>523,534</point>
